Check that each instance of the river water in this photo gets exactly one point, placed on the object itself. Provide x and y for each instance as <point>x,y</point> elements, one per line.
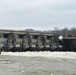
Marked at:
<point>38,63</point>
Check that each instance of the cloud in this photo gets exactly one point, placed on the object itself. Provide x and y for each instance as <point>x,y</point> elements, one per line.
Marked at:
<point>37,13</point>
<point>22,5</point>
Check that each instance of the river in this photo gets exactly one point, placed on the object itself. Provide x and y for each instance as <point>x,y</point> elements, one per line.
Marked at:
<point>38,63</point>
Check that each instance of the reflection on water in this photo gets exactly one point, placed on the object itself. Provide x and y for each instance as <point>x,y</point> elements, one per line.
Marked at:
<point>22,65</point>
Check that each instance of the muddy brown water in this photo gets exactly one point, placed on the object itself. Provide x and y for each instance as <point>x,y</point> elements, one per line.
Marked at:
<point>22,65</point>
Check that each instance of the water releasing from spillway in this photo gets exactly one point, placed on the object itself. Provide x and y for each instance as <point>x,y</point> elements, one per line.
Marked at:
<point>43,54</point>
<point>38,63</point>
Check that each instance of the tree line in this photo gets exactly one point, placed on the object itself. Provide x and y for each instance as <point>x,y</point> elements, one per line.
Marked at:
<point>66,32</point>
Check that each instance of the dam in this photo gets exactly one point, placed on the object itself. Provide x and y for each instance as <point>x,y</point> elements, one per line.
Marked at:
<point>21,40</point>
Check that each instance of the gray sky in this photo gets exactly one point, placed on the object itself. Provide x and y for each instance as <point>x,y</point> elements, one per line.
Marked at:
<point>37,14</point>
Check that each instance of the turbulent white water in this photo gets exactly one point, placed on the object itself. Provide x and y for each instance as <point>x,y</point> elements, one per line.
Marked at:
<point>43,54</point>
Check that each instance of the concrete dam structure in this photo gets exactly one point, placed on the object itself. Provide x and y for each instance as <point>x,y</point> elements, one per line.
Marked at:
<point>11,40</point>
<point>21,40</point>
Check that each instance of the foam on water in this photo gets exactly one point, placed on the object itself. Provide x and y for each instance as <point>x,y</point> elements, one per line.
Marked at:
<point>43,54</point>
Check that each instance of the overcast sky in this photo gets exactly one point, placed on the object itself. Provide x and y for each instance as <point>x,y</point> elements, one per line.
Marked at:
<point>37,14</point>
